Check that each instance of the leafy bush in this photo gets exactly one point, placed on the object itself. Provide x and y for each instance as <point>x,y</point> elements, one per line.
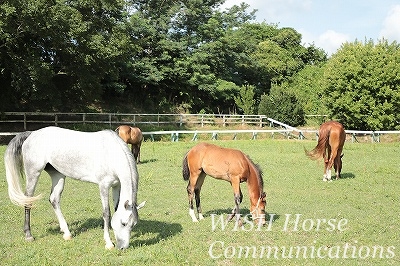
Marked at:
<point>245,100</point>
<point>283,106</point>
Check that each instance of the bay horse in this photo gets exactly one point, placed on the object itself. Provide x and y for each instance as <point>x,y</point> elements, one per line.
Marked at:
<point>98,157</point>
<point>227,164</point>
<point>133,136</point>
<point>330,146</point>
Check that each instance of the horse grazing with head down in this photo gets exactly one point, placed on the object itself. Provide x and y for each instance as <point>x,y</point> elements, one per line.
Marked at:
<point>98,157</point>
<point>226,164</point>
<point>330,146</point>
<point>133,136</point>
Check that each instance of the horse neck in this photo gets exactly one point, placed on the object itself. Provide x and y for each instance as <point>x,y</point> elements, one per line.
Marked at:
<point>127,191</point>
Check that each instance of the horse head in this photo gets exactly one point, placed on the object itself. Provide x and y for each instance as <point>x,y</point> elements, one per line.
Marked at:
<point>258,210</point>
<point>122,222</point>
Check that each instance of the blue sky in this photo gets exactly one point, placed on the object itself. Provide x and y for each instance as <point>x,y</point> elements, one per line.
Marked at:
<point>329,23</point>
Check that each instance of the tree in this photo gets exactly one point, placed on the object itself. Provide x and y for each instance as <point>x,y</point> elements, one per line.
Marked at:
<point>362,85</point>
<point>283,106</point>
<point>308,86</point>
<point>245,99</point>
<point>54,55</point>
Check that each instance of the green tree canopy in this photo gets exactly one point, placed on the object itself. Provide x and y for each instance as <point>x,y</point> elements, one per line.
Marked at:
<point>362,85</point>
<point>154,55</point>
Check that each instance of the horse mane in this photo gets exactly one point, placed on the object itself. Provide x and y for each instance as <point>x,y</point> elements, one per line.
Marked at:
<point>259,173</point>
<point>129,156</point>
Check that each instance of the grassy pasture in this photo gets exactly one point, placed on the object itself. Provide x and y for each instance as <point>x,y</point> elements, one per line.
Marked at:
<point>365,203</point>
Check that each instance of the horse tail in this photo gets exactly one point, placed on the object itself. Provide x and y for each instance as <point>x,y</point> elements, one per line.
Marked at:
<point>320,149</point>
<point>13,161</point>
<point>185,168</point>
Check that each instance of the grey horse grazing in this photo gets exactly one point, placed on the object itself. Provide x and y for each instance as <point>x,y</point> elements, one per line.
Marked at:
<point>98,157</point>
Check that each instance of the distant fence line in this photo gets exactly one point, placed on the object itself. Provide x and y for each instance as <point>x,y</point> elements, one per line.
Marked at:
<point>114,119</point>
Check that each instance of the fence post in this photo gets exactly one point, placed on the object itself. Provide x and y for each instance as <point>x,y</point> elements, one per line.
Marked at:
<point>25,121</point>
<point>56,120</point>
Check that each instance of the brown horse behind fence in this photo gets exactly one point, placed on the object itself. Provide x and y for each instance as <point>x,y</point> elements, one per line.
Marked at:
<point>133,136</point>
<point>330,146</point>
<point>226,164</point>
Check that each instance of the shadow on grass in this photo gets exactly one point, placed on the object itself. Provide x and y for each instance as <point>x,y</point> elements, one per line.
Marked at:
<point>148,232</point>
<point>78,227</point>
<point>148,161</point>
<point>347,176</point>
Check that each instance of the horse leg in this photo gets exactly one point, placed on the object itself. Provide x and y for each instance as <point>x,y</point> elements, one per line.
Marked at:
<point>135,151</point>
<point>328,164</point>
<point>197,189</point>
<point>338,163</point>
<point>238,196</point>
<point>32,177</point>
<point>57,181</point>
<point>191,192</point>
<point>27,225</point>
<point>332,162</point>
<point>104,194</point>
<point>116,190</point>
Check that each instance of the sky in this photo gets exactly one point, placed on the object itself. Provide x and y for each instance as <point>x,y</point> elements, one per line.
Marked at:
<point>329,23</point>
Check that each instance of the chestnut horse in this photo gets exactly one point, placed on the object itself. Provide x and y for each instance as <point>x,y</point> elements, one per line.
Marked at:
<point>226,164</point>
<point>330,146</point>
<point>133,136</point>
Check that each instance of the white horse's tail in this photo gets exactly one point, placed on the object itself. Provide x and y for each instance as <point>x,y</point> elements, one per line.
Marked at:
<point>14,167</point>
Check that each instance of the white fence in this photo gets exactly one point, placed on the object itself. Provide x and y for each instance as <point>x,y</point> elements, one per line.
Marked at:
<point>25,119</point>
<point>113,119</point>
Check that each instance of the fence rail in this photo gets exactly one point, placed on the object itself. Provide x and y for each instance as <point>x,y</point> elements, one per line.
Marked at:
<point>112,119</point>
<point>25,119</point>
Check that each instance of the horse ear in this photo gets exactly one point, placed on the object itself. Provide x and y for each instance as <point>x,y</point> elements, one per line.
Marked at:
<point>141,205</point>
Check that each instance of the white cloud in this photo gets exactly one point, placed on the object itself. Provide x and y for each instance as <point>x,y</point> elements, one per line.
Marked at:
<point>331,40</point>
<point>273,10</point>
<point>391,25</point>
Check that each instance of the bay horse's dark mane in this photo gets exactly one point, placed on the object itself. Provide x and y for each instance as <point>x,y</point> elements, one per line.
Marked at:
<point>259,173</point>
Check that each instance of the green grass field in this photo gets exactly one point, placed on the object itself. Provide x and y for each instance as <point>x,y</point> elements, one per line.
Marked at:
<point>358,215</point>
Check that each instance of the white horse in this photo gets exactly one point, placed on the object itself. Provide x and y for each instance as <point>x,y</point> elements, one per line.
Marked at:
<point>98,157</point>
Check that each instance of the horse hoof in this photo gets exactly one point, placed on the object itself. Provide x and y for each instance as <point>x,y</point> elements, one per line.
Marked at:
<point>201,217</point>
<point>67,237</point>
<point>30,238</point>
<point>109,246</point>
